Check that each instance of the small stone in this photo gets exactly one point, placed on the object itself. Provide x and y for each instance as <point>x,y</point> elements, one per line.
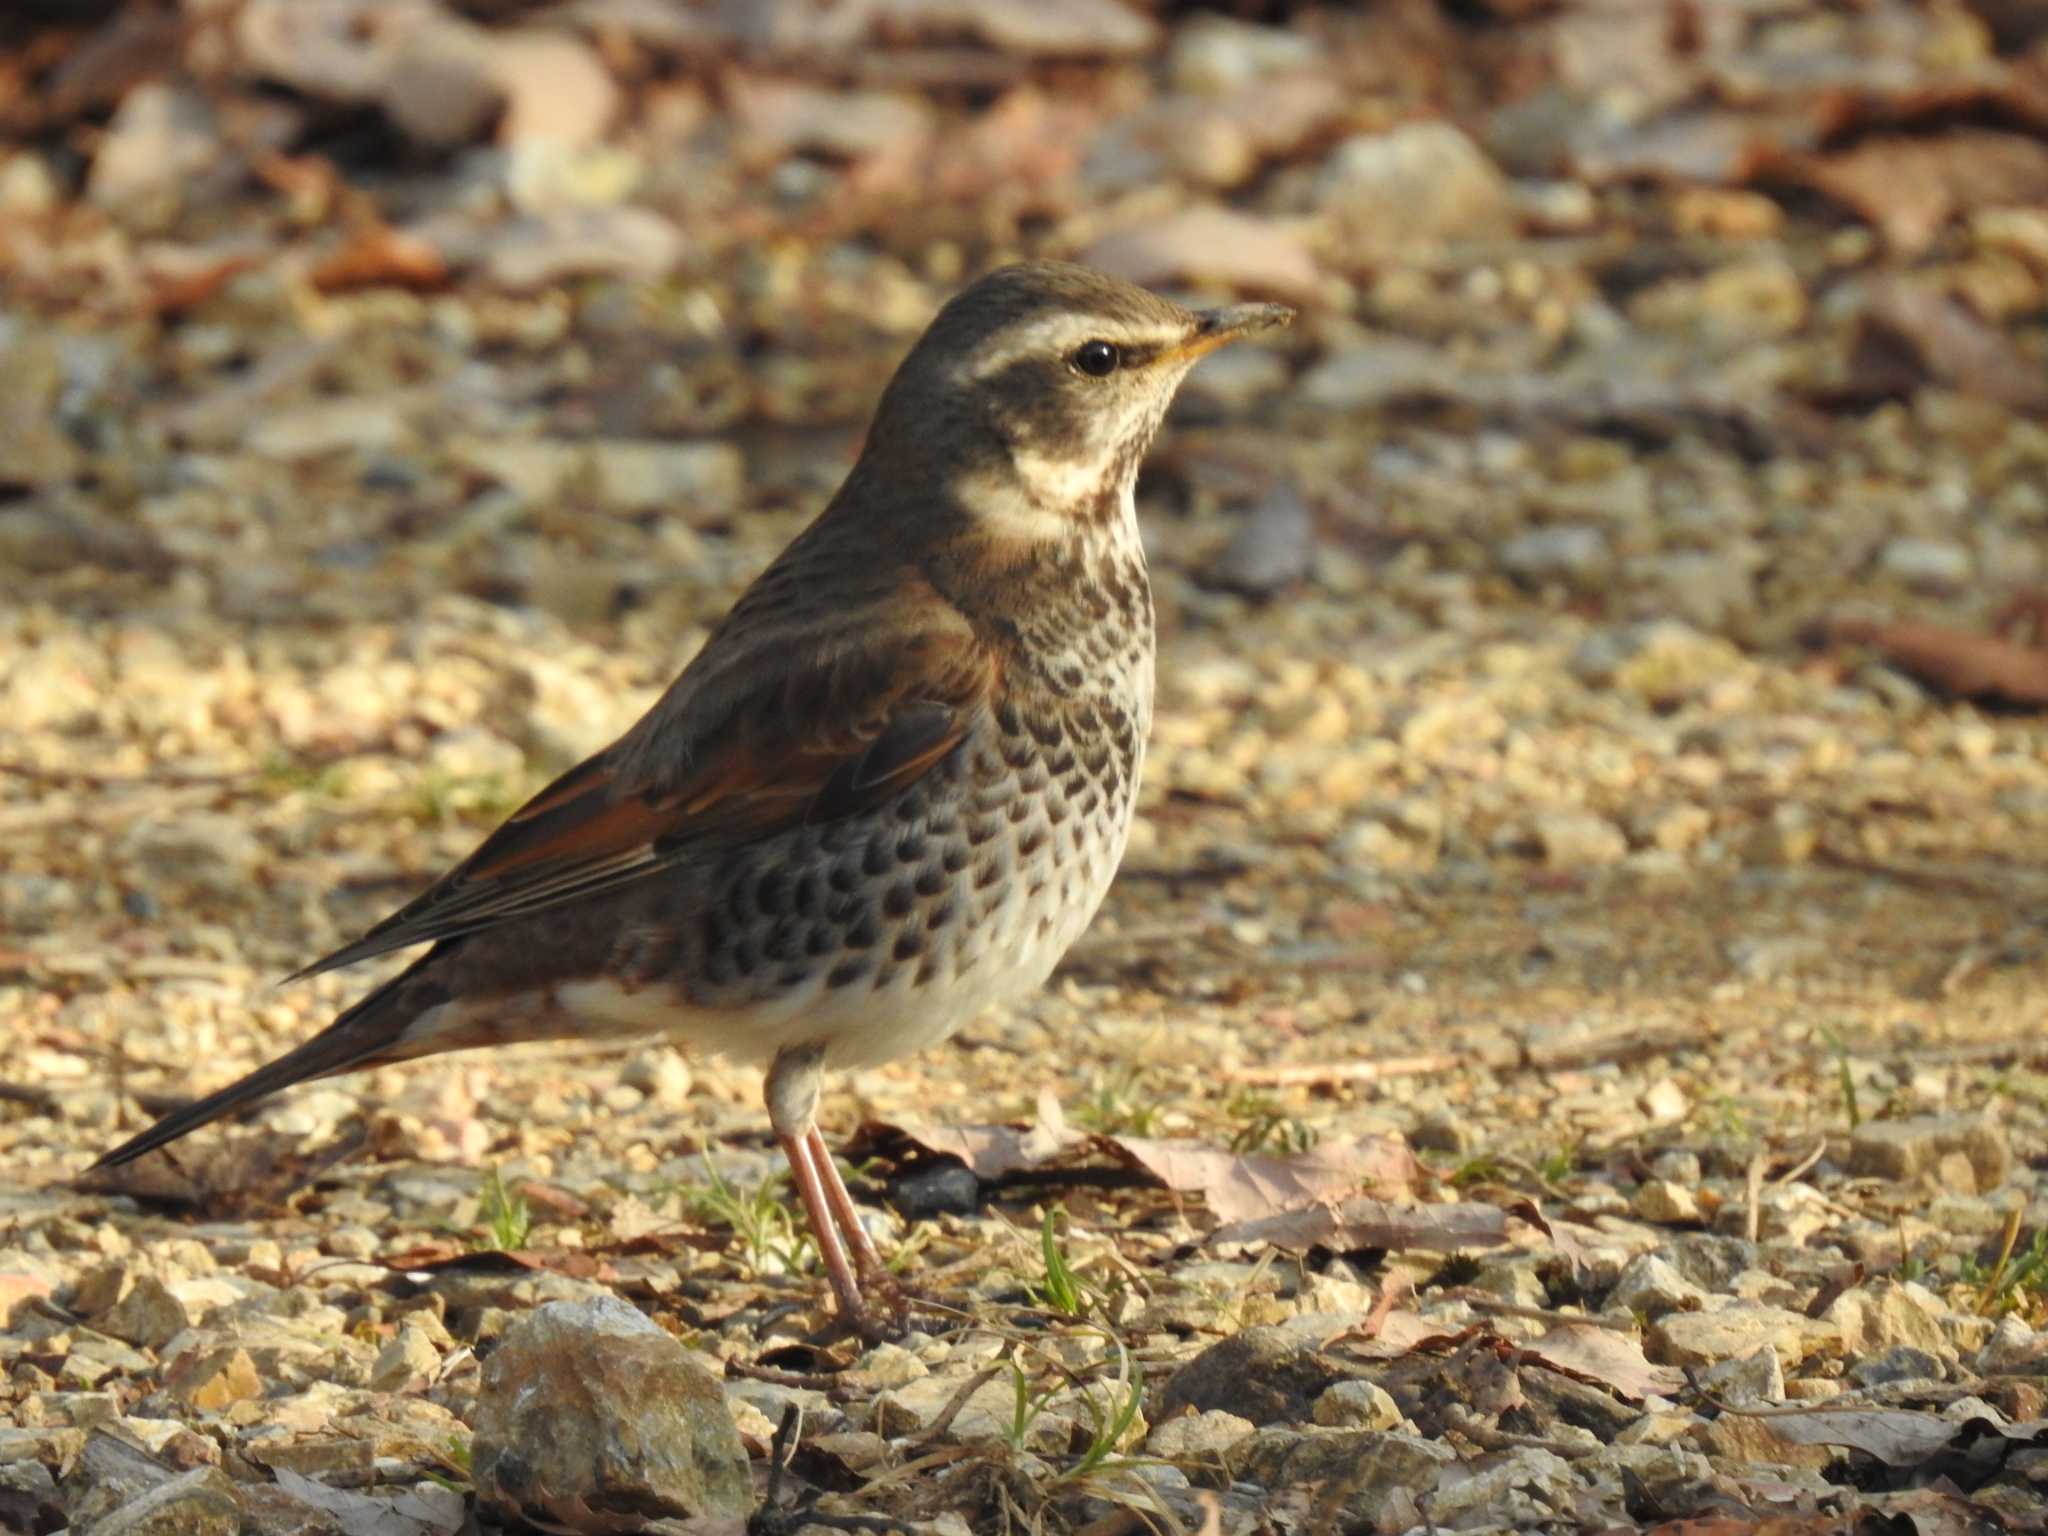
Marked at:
<point>2012,1349</point>
<point>1357,1405</point>
<point>891,1365</point>
<point>1900,1363</point>
<point>945,1188</point>
<point>1755,1377</point>
<point>1666,1201</point>
<point>1565,552</point>
<point>210,1380</point>
<point>1785,838</point>
<point>657,476</point>
<point>1576,840</point>
<point>1420,184</point>
<point>1273,548</point>
<point>1905,1149</point>
<point>588,1410</point>
<point>149,1315</point>
<point>202,1502</point>
<point>1208,244</point>
<point>1743,1440</point>
<point>1934,565</point>
<point>1262,1374</point>
<point>1193,1436</point>
<point>1524,1488</point>
<point>1708,1338</point>
<point>351,1243</point>
<point>661,1074</point>
<point>1371,1464</point>
<point>410,1359</point>
<point>1666,1103</point>
<point>1217,55</point>
<point>1885,1314</point>
<point>160,141</point>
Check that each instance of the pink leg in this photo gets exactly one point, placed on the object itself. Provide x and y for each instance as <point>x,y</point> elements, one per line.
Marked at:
<point>792,1105</point>
<point>824,1226</point>
<point>865,1258</point>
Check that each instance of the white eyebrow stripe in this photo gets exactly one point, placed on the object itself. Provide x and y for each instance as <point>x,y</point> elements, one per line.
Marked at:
<point>1054,335</point>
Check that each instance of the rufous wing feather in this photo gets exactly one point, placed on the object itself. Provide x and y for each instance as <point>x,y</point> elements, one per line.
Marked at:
<point>835,721</point>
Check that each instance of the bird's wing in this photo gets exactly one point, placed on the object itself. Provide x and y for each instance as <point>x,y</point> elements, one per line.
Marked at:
<point>815,721</point>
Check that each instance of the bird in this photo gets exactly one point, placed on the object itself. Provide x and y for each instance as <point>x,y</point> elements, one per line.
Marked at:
<point>888,792</point>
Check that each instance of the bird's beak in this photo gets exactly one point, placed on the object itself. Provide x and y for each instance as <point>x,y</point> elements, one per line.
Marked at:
<point>1220,327</point>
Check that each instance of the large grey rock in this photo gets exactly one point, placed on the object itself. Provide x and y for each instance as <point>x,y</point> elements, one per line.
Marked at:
<point>591,1415</point>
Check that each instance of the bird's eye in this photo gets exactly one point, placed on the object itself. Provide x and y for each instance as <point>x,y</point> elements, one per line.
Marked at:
<point>1097,359</point>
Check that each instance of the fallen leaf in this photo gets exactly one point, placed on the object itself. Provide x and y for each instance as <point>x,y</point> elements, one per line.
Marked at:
<point>1364,1223</point>
<point>1895,1436</point>
<point>1605,1358</point>
<point>1910,186</point>
<point>424,1511</point>
<point>1982,668</point>
<point>990,1151</point>
<point>1243,1188</point>
<point>378,256</point>
<point>1911,334</point>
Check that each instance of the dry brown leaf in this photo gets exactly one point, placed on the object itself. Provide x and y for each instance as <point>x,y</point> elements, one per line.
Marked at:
<point>1607,1359</point>
<point>1243,1188</point>
<point>1912,334</point>
<point>378,256</point>
<point>990,1151</point>
<point>1911,186</point>
<point>1956,662</point>
<point>1895,1436</point>
<point>1364,1223</point>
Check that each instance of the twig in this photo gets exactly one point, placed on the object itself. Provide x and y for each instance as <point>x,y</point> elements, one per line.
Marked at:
<point>1344,1071</point>
<point>1493,1308</point>
<point>956,1402</point>
<point>780,1448</point>
<point>1819,1150</point>
<point>1753,1198</point>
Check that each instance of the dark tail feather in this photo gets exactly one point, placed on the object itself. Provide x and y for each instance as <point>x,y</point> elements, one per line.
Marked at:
<point>360,1037</point>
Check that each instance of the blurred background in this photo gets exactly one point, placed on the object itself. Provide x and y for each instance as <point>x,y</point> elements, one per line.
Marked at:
<point>1601,627</point>
<point>1603,652</point>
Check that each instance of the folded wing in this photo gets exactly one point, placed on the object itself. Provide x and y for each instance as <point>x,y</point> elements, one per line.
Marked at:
<point>818,720</point>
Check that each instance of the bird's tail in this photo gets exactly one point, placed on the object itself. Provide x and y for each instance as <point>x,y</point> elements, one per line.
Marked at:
<point>367,1035</point>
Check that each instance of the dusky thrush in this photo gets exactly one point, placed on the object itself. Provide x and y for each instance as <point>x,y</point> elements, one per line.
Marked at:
<point>892,788</point>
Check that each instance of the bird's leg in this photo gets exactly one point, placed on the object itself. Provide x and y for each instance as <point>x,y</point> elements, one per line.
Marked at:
<point>792,1094</point>
<point>865,1258</point>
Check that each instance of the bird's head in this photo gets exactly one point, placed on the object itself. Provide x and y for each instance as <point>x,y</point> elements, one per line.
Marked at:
<point>1037,389</point>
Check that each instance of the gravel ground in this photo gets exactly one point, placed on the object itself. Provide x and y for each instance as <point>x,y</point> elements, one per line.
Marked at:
<point>1647,971</point>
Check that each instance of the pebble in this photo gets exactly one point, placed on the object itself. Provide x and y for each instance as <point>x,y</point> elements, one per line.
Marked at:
<point>1564,551</point>
<point>1652,1286</point>
<point>1576,840</point>
<point>409,1360</point>
<point>587,1406</point>
<point>1666,1201</point>
<point>1707,1338</point>
<point>1272,549</point>
<point>661,1074</point>
<point>1356,1405</point>
<point>1261,1374</point>
<point>1934,565</point>
<point>149,1315</point>
<point>1886,1314</point>
<point>1420,184</point>
<point>202,1502</point>
<point>1903,1150</point>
